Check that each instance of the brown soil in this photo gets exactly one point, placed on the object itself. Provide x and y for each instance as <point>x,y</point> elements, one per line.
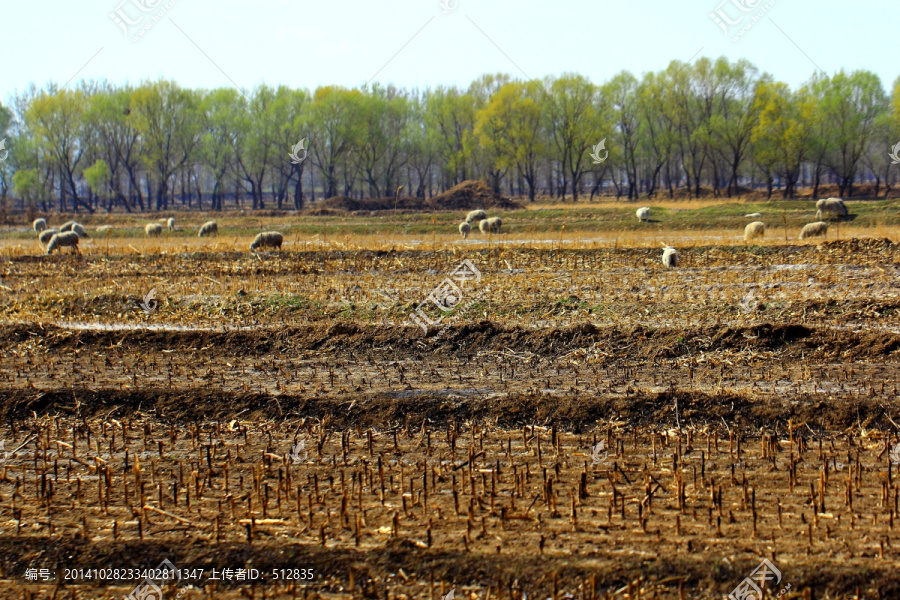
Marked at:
<point>461,459</point>
<point>467,195</point>
<point>470,195</point>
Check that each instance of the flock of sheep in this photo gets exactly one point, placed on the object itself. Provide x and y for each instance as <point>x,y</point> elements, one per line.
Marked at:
<point>825,208</point>
<point>485,225</point>
<point>68,235</point>
<point>833,208</point>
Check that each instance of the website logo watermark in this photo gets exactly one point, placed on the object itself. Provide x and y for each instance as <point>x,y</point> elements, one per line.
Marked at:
<point>298,147</point>
<point>137,20</point>
<point>296,457</point>
<point>448,6</point>
<point>749,303</point>
<point>894,154</point>
<point>149,588</point>
<point>3,151</point>
<point>446,296</point>
<point>596,450</point>
<point>733,21</point>
<point>596,153</point>
<point>894,454</point>
<point>150,303</point>
<point>752,587</point>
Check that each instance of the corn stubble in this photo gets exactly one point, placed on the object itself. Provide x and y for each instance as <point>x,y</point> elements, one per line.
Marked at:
<point>410,482</point>
<point>466,494</point>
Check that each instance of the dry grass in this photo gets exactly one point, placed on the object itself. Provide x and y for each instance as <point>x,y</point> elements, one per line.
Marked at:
<point>515,234</point>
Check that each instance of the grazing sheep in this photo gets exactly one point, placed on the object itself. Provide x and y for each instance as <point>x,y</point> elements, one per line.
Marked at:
<point>79,229</point>
<point>831,207</point>
<point>39,225</point>
<point>104,230</point>
<point>819,228</point>
<point>209,228</point>
<point>170,223</point>
<point>153,229</point>
<point>46,236</point>
<point>465,229</point>
<point>271,239</point>
<point>756,229</point>
<point>754,216</point>
<point>476,215</point>
<point>63,239</point>
<point>670,257</point>
<point>491,225</point>
<point>643,213</point>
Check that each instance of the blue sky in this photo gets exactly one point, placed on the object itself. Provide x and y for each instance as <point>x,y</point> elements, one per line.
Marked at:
<point>414,43</point>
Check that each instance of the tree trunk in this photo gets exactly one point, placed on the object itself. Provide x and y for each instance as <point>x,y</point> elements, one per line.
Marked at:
<point>298,190</point>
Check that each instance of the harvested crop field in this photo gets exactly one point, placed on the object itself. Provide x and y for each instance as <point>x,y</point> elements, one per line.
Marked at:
<point>577,422</point>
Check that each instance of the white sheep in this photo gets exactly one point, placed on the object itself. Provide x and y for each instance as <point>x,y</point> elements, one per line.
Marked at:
<point>153,229</point>
<point>67,226</point>
<point>62,239</point>
<point>754,216</point>
<point>756,229</point>
<point>209,228</point>
<point>643,213</point>
<point>46,236</point>
<point>271,239</point>
<point>39,225</point>
<point>79,229</point>
<point>817,229</point>
<point>491,225</point>
<point>476,215</point>
<point>670,257</point>
<point>465,229</point>
<point>104,230</point>
<point>170,223</point>
<point>832,207</point>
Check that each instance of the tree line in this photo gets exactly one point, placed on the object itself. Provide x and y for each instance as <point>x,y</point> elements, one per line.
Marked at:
<point>715,127</point>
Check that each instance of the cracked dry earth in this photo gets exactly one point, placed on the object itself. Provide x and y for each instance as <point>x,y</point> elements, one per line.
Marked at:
<point>588,429</point>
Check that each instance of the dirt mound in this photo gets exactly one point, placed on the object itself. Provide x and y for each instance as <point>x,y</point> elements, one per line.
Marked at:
<point>792,340</point>
<point>467,195</point>
<point>325,212</point>
<point>860,245</point>
<point>833,190</point>
<point>346,203</point>
<point>470,195</point>
<point>573,411</point>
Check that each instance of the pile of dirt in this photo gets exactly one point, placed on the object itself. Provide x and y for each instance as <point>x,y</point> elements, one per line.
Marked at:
<point>859,245</point>
<point>793,340</point>
<point>468,195</point>
<point>325,212</point>
<point>833,190</point>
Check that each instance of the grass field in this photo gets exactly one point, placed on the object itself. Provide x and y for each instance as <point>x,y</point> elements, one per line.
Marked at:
<point>579,422</point>
<point>599,220</point>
